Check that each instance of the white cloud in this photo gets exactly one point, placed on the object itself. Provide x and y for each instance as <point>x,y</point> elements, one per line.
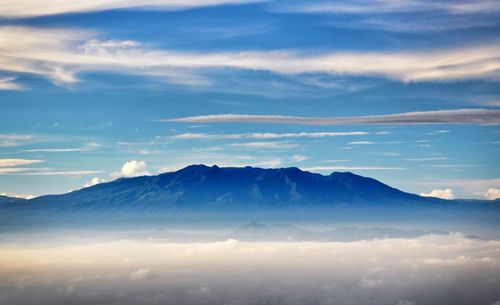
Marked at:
<point>10,140</point>
<point>267,135</point>
<point>17,162</point>
<point>60,55</point>
<point>273,163</point>
<point>22,196</point>
<point>94,181</point>
<point>371,283</point>
<point>141,274</point>
<point>73,173</point>
<point>464,188</point>
<point>87,147</point>
<point>299,158</point>
<point>349,168</point>
<point>492,193</point>
<point>444,194</point>
<point>361,143</point>
<point>394,6</point>
<point>264,145</point>
<point>131,169</point>
<point>456,116</point>
<point>427,159</point>
<point>27,8</point>
<point>7,83</point>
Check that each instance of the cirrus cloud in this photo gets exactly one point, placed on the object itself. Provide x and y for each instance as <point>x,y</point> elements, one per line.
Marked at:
<point>454,116</point>
<point>61,54</point>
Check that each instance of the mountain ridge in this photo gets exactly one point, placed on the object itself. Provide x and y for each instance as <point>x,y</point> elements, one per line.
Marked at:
<point>201,188</point>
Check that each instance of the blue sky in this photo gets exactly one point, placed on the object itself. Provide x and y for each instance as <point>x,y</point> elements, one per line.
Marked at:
<point>92,92</point>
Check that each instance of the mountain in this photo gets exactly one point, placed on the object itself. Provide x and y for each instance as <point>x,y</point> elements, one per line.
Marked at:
<point>212,195</point>
<point>5,200</point>
<point>255,231</point>
<point>202,188</point>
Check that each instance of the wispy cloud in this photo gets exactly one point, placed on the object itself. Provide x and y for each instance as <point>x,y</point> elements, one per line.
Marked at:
<point>349,168</point>
<point>10,140</point>
<point>18,162</point>
<point>361,143</point>
<point>394,6</point>
<point>61,54</point>
<point>457,116</point>
<point>74,173</point>
<point>7,83</point>
<point>427,159</point>
<point>267,135</point>
<point>29,8</point>
<point>299,158</point>
<point>264,145</point>
<point>86,147</point>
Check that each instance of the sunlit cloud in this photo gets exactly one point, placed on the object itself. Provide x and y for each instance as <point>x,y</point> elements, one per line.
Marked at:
<point>132,168</point>
<point>17,162</point>
<point>443,194</point>
<point>94,181</point>
<point>61,54</point>
<point>30,8</point>
<point>492,193</point>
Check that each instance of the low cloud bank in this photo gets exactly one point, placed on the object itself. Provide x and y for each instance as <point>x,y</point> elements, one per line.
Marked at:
<point>433,269</point>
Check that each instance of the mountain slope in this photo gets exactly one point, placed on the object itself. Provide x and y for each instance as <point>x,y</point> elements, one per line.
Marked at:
<point>202,188</point>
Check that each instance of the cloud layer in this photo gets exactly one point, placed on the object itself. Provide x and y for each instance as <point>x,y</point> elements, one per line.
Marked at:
<point>61,54</point>
<point>434,269</point>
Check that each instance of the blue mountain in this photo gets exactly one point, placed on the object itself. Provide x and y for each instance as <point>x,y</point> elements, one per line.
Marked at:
<point>213,195</point>
<point>203,188</point>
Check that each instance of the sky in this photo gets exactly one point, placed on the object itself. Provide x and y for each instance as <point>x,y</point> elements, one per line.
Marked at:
<point>407,92</point>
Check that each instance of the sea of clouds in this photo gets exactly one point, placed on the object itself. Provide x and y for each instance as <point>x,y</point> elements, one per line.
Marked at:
<point>433,269</point>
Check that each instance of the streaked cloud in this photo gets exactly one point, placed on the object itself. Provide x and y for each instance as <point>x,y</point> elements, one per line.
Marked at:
<point>443,194</point>
<point>267,135</point>
<point>394,6</point>
<point>10,140</point>
<point>61,54</point>
<point>299,158</point>
<point>349,168</point>
<point>361,143</point>
<point>86,147</point>
<point>7,83</point>
<point>18,162</point>
<point>264,145</point>
<point>74,173</point>
<point>455,116</point>
<point>427,159</point>
<point>30,8</point>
